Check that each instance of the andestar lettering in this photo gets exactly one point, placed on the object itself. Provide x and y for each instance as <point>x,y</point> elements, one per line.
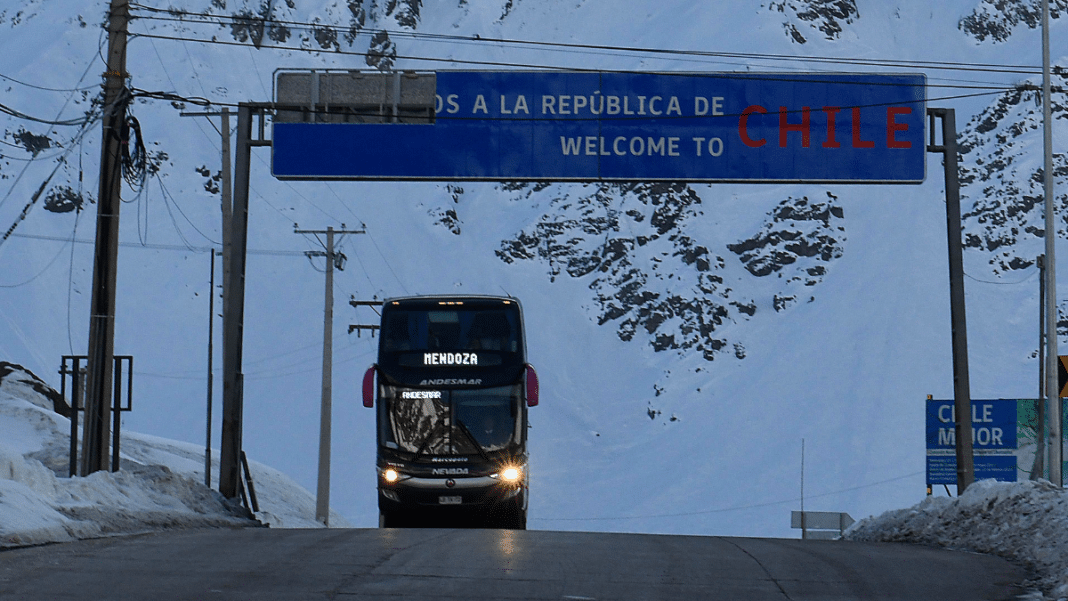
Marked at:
<point>421,394</point>
<point>450,359</point>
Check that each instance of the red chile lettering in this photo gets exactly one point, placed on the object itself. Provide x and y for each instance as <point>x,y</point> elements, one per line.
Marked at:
<point>831,112</point>
<point>892,126</point>
<point>743,126</point>
<point>802,128</point>
<point>857,142</point>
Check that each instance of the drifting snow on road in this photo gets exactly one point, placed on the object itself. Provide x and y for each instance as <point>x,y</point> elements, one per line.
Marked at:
<point>159,486</point>
<point>1025,522</point>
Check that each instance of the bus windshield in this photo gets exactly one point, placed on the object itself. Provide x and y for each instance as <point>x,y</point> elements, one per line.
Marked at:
<point>450,422</point>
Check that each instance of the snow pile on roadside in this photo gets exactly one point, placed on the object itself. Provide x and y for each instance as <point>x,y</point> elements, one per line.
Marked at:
<point>159,486</point>
<point>1021,521</point>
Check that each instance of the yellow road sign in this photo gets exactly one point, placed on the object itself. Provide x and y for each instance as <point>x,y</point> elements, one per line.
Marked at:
<point>1062,375</point>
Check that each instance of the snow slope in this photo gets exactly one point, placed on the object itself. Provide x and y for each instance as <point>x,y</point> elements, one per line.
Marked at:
<point>159,486</point>
<point>1026,522</point>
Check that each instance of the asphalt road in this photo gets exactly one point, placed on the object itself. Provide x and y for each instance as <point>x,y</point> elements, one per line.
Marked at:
<point>427,564</point>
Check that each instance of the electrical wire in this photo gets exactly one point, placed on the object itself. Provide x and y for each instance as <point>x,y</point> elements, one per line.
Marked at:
<point>728,509</point>
<point>166,195</point>
<point>174,247</point>
<point>222,20</point>
<point>50,263</point>
<point>544,67</point>
<point>1023,281</point>
<point>26,167</point>
<point>46,89</point>
<point>64,123</point>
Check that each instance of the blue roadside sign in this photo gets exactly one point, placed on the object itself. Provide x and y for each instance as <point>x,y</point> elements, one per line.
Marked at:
<point>590,126</point>
<point>994,440</point>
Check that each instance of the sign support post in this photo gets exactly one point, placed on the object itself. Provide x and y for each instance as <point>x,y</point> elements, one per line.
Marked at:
<point>1053,400</point>
<point>961,387</point>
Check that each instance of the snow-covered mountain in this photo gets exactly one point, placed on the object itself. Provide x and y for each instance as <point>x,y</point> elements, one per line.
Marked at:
<point>688,336</point>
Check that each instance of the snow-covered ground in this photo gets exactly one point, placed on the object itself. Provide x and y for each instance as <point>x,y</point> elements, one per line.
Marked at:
<point>1026,522</point>
<point>160,484</point>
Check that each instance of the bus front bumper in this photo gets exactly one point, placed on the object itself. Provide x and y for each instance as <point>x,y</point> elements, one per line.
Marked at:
<point>445,492</point>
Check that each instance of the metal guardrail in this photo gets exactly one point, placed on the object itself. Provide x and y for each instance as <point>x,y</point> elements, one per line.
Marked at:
<point>74,366</point>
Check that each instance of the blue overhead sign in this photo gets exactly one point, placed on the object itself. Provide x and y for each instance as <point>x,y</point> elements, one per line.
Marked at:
<point>994,441</point>
<point>578,126</point>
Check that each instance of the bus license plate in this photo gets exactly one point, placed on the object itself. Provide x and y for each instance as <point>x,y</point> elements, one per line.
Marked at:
<point>450,500</point>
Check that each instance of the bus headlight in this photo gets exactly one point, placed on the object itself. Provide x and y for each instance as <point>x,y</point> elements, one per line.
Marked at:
<point>390,475</point>
<point>510,474</point>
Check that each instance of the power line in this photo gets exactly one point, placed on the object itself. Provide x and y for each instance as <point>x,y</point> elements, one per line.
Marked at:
<point>186,17</point>
<point>727,509</point>
<point>545,67</point>
<point>176,247</point>
<point>47,89</point>
<point>46,267</point>
<point>77,138</point>
<point>66,123</point>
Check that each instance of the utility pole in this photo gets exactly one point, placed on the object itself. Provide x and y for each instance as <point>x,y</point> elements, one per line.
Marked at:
<point>1053,397</point>
<point>322,495</point>
<point>106,256</point>
<point>211,330</point>
<point>359,327</point>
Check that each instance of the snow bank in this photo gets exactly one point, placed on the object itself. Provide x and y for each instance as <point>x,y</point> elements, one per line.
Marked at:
<point>1022,521</point>
<point>160,485</point>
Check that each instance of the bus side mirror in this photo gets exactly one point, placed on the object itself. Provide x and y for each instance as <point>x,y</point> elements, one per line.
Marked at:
<point>531,384</point>
<point>369,387</point>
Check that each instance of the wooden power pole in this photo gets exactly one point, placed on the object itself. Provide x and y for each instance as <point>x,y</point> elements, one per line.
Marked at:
<point>105,258</point>
<point>322,495</point>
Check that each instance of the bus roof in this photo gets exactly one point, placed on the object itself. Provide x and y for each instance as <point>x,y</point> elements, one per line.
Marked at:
<point>434,300</point>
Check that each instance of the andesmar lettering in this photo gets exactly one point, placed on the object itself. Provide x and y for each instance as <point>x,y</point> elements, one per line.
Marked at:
<point>452,382</point>
<point>450,359</point>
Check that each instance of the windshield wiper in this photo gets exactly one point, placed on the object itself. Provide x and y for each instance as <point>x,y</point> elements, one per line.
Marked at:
<point>429,437</point>
<point>471,437</point>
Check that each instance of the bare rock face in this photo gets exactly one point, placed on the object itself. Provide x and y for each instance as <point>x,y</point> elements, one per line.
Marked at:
<point>654,279</point>
<point>1002,176</point>
<point>800,235</point>
<point>996,20</point>
<point>816,17</point>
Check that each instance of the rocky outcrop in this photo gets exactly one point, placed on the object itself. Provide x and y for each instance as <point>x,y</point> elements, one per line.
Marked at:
<point>1002,179</point>
<point>798,241</point>
<point>654,280</point>
<point>826,18</point>
<point>996,20</point>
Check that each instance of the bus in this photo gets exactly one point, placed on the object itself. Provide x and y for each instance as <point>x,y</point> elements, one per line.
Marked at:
<point>450,390</point>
